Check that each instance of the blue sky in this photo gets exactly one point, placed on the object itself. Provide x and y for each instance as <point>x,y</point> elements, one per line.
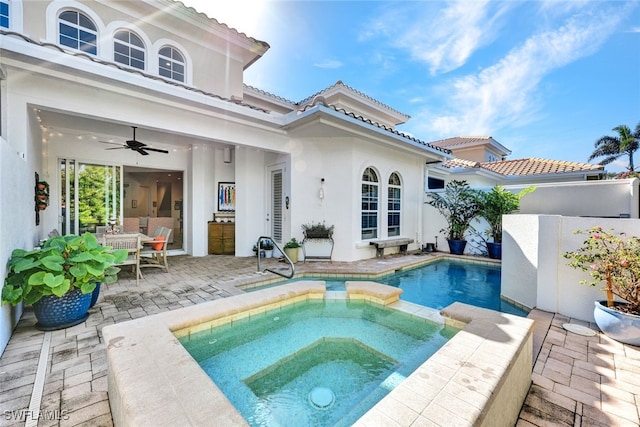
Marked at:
<point>545,78</point>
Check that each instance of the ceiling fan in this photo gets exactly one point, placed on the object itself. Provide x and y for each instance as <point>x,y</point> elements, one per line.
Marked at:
<point>135,145</point>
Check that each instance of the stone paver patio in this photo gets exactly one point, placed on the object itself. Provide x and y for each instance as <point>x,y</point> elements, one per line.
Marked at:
<point>576,380</point>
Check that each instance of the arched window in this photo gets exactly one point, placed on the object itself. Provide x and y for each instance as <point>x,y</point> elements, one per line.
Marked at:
<point>171,64</point>
<point>4,14</point>
<point>78,32</point>
<point>128,49</point>
<point>393,205</point>
<point>369,204</point>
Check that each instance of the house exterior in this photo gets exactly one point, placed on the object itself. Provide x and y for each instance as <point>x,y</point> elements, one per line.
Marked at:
<point>77,76</point>
<point>138,110</point>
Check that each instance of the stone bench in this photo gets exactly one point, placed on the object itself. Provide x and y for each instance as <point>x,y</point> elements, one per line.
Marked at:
<point>380,244</point>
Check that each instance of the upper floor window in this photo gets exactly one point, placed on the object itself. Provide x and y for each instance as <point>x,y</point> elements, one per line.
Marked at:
<point>370,189</point>
<point>171,64</point>
<point>393,205</point>
<point>4,14</point>
<point>128,49</point>
<point>78,32</point>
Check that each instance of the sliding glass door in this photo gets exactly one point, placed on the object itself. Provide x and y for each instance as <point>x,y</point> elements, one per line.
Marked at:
<point>89,196</point>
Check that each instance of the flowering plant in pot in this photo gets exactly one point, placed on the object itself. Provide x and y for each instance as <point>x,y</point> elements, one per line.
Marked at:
<point>612,259</point>
<point>59,277</point>
<point>459,205</point>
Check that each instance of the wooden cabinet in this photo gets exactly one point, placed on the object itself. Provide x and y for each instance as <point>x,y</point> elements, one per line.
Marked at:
<point>222,238</point>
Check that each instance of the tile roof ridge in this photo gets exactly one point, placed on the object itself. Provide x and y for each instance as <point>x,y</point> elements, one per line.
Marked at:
<point>130,70</point>
<point>264,92</point>
<point>320,100</point>
<point>362,94</point>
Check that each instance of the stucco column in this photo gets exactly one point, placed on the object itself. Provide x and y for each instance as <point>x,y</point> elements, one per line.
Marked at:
<point>201,194</point>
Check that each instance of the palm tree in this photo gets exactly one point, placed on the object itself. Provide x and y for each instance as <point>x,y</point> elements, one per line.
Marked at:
<point>613,147</point>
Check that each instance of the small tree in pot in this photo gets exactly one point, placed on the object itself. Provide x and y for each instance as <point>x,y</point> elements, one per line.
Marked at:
<point>459,205</point>
<point>494,204</point>
<point>612,259</point>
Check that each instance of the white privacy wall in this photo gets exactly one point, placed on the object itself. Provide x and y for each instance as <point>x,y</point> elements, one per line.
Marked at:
<point>608,198</point>
<point>534,270</point>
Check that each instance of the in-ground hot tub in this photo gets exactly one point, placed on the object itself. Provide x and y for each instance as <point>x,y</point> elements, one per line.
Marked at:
<point>479,377</point>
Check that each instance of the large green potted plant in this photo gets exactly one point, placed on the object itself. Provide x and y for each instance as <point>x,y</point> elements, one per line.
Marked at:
<point>459,205</point>
<point>612,259</point>
<point>493,205</point>
<point>58,278</point>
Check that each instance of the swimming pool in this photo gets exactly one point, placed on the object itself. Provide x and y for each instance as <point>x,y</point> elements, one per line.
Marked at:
<point>320,363</point>
<point>441,283</point>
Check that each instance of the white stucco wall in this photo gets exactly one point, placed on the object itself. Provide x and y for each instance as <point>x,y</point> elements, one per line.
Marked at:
<point>341,161</point>
<point>520,258</point>
<point>18,163</point>
<point>608,198</point>
<point>556,286</point>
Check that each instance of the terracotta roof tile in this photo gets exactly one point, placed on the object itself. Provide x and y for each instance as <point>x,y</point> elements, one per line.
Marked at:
<point>524,167</point>
<point>458,141</point>
<point>461,163</point>
<point>535,166</point>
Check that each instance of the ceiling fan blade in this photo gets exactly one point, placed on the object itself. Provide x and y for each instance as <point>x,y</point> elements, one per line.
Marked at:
<point>141,151</point>
<point>156,150</point>
<point>116,148</point>
<point>112,143</point>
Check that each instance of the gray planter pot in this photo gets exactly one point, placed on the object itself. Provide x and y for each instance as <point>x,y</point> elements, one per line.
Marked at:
<point>617,325</point>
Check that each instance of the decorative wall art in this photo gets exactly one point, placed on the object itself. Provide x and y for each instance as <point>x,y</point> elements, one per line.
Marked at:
<point>226,196</point>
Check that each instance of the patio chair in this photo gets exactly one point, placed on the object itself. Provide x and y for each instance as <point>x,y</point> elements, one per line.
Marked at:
<point>131,225</point>
<point>131,243</point>
<point>154,253</point>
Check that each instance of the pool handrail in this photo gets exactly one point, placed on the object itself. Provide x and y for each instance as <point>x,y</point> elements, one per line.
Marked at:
<point>287,259</point>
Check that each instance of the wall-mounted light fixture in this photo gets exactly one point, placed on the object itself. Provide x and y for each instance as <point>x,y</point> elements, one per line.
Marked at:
<point>321,192</point>
<point>227,155</point>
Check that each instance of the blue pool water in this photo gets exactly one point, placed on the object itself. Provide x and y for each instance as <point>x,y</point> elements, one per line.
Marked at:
<point>318,363</point>
<point>444,282</point>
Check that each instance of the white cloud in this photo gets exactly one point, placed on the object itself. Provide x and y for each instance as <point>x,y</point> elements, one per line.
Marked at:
<point>328,63</point>
<point>443,35</point>
<point>505,94</point>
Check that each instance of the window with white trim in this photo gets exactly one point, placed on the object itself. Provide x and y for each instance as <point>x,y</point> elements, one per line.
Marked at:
<point>172,64</point>
<point>4,14</point>
<point>393,205</point>
<point>78,32</point>
<point>370,189</point>
<point>128,49</point>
